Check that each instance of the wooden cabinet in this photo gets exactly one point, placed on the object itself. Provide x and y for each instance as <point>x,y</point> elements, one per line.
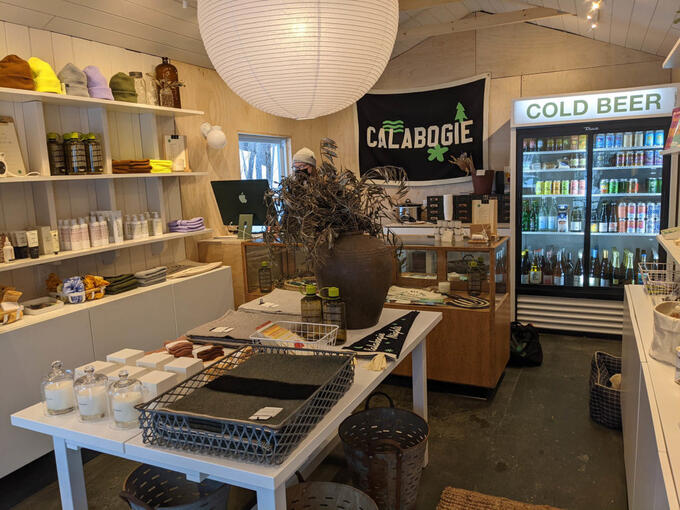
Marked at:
<point>469,346</point>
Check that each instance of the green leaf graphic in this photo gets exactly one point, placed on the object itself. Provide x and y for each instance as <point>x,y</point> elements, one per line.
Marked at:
<point>437,152</point>
<point>460,113</point>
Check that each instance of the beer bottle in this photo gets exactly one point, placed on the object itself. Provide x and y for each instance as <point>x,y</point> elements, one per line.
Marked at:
<point>558,274</point>
<point>578,270</point>
<point>594,271</point>
<point>629,275</point>
<point>605,270</point>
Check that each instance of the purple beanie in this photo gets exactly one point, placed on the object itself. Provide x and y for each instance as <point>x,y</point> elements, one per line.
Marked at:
<point>97,85</point>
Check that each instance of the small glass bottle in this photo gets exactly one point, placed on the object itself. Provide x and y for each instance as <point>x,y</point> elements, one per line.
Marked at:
<point>57,390</point>
<point>55,155</point>
<point>334,313</point>
<point>140,85</point>
<point>74,154</point>
<point>124,395</point>
<point>169,95</point>
<point>91,395</point>
<point>93,154</point>
<point>310,306</point>
<point>264,276</point>
<point>474,277</point>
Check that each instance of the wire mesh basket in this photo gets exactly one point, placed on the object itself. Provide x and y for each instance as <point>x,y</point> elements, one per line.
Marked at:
<point>661,280</point>
<point>242,439</point>
<point>300,335</point>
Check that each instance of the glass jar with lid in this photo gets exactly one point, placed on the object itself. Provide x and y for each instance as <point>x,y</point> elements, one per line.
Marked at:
<point>140,85</point>
<point>57,390</point>
<point>55,155</point>
<point>124,395</point>
<point>91,395</point>
<point>93,154</point>
<point>74,154</point>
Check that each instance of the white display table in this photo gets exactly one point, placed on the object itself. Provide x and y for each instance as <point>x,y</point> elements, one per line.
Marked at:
<point>69,435</point>
<point>650,408</point>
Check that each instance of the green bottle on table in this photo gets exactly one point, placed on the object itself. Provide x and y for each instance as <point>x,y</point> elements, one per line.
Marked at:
<point>334,314</point>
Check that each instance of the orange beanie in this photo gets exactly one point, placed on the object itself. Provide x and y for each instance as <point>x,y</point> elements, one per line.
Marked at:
<point>15,73</point>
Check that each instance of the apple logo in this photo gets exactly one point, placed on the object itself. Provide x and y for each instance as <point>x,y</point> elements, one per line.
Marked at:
<point>242,198</point>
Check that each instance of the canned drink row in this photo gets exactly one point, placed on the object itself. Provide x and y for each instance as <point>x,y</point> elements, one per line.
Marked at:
<point>556,143</point>
<point>561,187</point>
<point>627,139</point>
<point>630,185</point>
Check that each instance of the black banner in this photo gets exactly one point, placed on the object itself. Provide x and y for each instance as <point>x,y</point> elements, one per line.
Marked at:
<point>421,131</point>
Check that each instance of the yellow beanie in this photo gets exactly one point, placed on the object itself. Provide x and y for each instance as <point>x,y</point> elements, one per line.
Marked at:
<point>44,77</point>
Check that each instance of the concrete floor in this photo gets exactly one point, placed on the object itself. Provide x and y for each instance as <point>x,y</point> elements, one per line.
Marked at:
<point>533,442</point>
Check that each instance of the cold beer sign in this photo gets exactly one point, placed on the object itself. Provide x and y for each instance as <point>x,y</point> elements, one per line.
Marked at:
<point>584,107</point>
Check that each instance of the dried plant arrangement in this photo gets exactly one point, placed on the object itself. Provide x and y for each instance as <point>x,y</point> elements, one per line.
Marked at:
<point>312,211</point>
<point>464,162</point>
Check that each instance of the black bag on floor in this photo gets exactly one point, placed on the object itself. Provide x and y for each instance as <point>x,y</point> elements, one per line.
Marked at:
<point>525,346</point>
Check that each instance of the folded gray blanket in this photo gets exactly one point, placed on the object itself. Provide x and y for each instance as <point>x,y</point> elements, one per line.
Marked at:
<point>235,325</point>
<point>150,273</point>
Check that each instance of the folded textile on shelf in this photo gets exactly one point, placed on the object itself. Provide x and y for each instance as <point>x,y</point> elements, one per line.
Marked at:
<point>121,283</point>
<point>131,166</point>
<point>209,352</point>
<point>191,225</point>
<point>159,166</point>
<point>279,301</point>
<point>180,348</point>
<point>151,276</point>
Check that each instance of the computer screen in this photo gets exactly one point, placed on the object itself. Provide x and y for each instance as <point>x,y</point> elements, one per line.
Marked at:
<point>241,197</point>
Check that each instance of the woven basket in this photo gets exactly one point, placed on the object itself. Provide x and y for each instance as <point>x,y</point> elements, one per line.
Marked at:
<point>385,451</point>
<point>327,496</point>
<point>149,487</point>
<point>460,499</point>
<point>605,402</point>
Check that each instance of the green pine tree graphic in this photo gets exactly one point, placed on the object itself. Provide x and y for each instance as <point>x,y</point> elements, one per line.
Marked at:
<point>460,113</point>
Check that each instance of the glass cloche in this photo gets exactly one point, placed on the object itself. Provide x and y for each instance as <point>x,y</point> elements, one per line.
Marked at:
<point>57,390</point>
<point>91,395</point>
<point>124,395</point>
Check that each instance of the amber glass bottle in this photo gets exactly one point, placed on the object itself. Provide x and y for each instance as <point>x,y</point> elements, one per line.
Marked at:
<point>166,71</point>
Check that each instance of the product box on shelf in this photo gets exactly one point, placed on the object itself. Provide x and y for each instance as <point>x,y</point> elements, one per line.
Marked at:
<point>100,367</point>
<point>134,372</point>
<point>155,360</point>
<point>184,367</point>
<point>461,208</point>
<point>156,382</point>
<point>125,356</point>
<point>435,208</point>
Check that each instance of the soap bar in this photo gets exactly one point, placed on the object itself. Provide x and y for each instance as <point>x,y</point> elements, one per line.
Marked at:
<point>155,360</point>
<point>100,367</point>
<point>134,372</point>
<point>156,382</point>
<point>184,367</point>
<point>125,356</point>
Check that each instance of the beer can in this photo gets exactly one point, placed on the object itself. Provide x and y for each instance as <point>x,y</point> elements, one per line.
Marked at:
<point>538,188</point>
<point>624,186</point>
<point>599,141</point>
<point>582,161</point>
<point>641,210</point>
<point>620,158</point>
<point>622,210</point>
<point>623,225</point>
<point>641,225</point>
<point>628,139</point>
<point>609,139</point>
<point>630,226</point>
<point>604,186</point>
<point>649,158</point>
<point>659,137</point>
<point>630,158</point>
<point>581,186</point>
<point>583,142</point>
<point>556,187</point>
<point>651,185</point>
<point>639,158</point>
<point>613,186</point>
<point>639,139</point>
<point>573,187</point>
<point>649,138</point>
<point>618,140</point>
<point>633,185</point>
<point>649,227</point>
<point>564,188</point>
<point>658,158</point>
<point>574,142</point>
<point>632,211</point>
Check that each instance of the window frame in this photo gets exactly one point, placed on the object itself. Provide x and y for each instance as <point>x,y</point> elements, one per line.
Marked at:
<point>285,158</point>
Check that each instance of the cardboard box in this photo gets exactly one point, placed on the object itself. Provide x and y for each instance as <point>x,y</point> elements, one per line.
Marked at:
<point>156,382</point>
<point>134,372</point>
<point>100,367</point>
<point>485,211</point>
<point>125,356</point>
<point>155,360</point>
<point>184,367</point>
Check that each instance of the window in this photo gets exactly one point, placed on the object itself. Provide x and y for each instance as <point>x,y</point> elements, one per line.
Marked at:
<point>263,157</point>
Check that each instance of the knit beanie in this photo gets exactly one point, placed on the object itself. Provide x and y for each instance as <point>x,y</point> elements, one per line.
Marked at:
<point>74,80</point>
<point>96,83</point>
<point>44,77</point>
<point>15,73</point>
<point>123,88</point>
<point>305,155</point>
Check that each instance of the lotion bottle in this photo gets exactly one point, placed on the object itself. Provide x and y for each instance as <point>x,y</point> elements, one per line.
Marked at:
<point>157,224</point>
<point>76,237</point>
<point>85,239</point>
<point>7,251</point>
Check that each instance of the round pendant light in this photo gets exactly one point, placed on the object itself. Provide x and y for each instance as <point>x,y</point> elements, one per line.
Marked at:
<point>299,58</point>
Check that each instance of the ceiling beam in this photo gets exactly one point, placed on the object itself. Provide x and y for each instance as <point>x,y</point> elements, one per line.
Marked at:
<point>409,5</point>
<point>481,22</point>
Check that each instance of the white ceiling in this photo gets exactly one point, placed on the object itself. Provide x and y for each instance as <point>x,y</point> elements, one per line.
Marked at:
<point>165,28</point>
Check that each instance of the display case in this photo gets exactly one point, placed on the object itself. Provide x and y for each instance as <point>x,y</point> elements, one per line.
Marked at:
<point>471,344</point>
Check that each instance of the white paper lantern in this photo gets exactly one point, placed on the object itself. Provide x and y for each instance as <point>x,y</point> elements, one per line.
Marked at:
<point>299,58</point>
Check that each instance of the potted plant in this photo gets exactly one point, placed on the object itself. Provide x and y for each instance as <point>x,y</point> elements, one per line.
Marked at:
<point>481,184</point>
<point>337,219</point>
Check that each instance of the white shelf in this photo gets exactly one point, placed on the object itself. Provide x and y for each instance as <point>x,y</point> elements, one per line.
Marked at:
<point>49,259</point>
<point>26,96</point>
<point>622,234</point>
<point>641,195</point>
<point>671,248</point>
<point>553,170</point>
<point>553,233</point>
<point>632,167</point>
<point>570,151</point>
<point>553,196</point>
<point>31,320</point>
<point>671,151</point>
<point>95,177</point>
<point>623,149</point>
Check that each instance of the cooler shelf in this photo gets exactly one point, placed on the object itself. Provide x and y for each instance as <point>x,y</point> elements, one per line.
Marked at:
<point>638,148</point>
<point>622,234</point>
<point>630,167</point>
<point>570,151</point>
<point>641,195</point>
<point>553,233</point>
<point>553,170</point>
<point>553,196</point>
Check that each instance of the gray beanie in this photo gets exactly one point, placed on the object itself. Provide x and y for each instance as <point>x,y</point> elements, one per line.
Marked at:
<point>74,80</point>
<point>305,155</point>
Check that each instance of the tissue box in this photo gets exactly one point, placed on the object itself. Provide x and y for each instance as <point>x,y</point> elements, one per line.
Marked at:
<point>133,371</point>
<point>155,360</point>
<point>156,382</point>
<point>100,367</point>
<point>125,356</point>
<point>184,367</point>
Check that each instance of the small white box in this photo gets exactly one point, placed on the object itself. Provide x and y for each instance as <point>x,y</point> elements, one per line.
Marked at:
<point>155,360</point>
<point>156,382</point>
<point>184,367</point>
<point>100,367</point>
<point>133,371</point>
<point>125,356</point>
